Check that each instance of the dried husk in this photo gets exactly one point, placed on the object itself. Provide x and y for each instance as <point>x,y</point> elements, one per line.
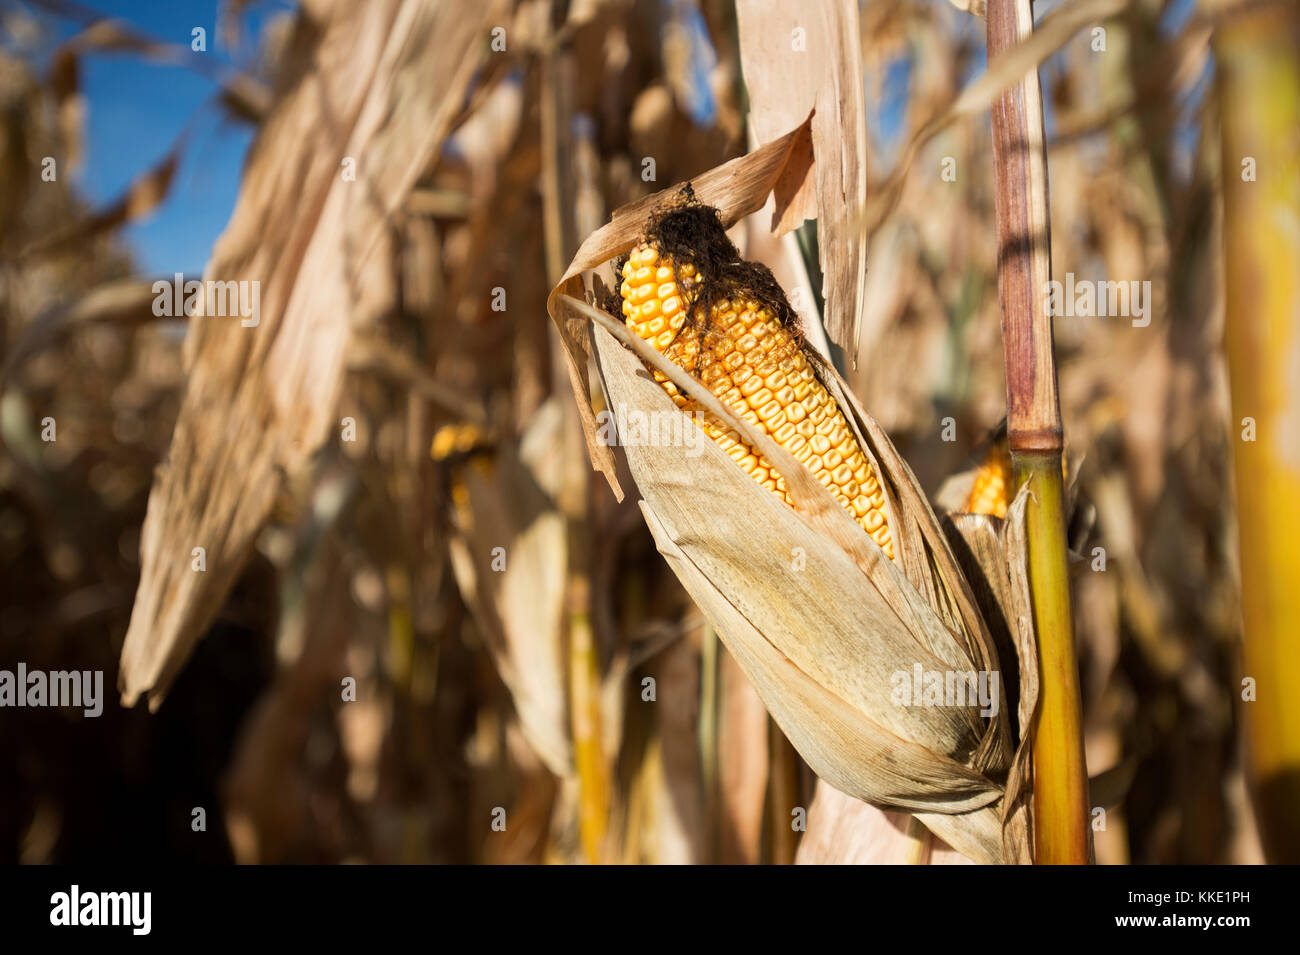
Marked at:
<point>815,613</point>
<point>819,643</point>
<point>842,831</point>
<point>993,553</point>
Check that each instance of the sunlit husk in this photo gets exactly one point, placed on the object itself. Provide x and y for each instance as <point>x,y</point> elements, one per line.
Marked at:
<point>818,617</point>
<point>819,638</point>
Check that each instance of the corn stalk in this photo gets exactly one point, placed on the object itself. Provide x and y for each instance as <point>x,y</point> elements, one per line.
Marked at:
<point>1061,833</point>
<point>1258,77</point>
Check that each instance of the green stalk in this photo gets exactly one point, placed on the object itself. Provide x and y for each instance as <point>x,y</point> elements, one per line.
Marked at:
<point>1061,833</point>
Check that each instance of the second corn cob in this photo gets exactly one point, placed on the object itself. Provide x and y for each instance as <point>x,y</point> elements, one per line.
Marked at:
<point>991,489</point>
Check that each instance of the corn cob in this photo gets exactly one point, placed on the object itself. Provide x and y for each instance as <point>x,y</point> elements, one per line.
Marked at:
<point>743,353</point>
<point>992,486</point>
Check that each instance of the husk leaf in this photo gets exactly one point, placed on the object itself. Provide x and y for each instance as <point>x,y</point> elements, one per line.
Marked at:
<point>815,613</point>
<point>819,643</point>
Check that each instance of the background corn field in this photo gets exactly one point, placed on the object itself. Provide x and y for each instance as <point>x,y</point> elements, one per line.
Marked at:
<point>405,413</point>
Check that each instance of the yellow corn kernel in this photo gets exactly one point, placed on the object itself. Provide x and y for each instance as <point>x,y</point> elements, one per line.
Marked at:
<point>754,364</point>
<point>992,485</point>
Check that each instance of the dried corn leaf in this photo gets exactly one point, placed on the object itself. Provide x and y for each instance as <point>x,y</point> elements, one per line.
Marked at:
<point>141,198</point>
<point>977,543</point>
<point>69,103</point>
<point>502,503</point>
<point>382,94</point>
<point>124,301</point>
<point>1017,808</point>
<point>778,44</point>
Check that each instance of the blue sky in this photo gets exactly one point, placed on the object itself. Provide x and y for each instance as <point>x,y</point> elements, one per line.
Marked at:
<point>135,110</point>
